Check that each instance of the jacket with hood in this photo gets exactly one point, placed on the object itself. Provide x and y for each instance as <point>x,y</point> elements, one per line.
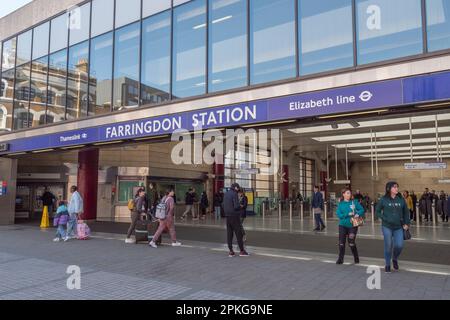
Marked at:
<point>393,212</point>
<point>231,204</point>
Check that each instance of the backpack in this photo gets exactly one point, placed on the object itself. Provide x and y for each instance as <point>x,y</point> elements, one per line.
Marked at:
<point>161,210</point>
<point>131,204</point>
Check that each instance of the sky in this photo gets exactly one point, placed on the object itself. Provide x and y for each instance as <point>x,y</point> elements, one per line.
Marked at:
<point>8,6</point>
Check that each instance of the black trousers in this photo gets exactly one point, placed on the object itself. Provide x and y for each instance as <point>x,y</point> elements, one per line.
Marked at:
<point>349,233</point>
<point>234,227</point>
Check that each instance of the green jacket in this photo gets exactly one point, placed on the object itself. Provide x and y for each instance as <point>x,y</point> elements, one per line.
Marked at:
<point>344,209</point>
<point>393,212</point>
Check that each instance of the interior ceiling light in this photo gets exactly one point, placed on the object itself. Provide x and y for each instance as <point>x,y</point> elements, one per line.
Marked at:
<point>416,153</point>
<point>381,135</point>
<point>373,123</point>
<point>389,143</point>
<point>396,148</point>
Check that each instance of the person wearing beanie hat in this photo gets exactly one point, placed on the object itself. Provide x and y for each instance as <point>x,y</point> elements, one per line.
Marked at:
<point>394,214</point>
<point>232,209</point>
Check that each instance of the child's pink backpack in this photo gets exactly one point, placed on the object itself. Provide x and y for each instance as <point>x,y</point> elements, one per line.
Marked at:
<point>83,231</point>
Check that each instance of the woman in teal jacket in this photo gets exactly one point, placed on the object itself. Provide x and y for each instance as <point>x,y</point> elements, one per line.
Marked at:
<point>347,209</point>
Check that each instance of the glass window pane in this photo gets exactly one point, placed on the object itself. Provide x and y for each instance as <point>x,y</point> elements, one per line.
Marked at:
<point>326,35</point>
<point>24,47</point>
<point>100,80</point>
<point>40,40</point>
<point>59,33</point>
<point>38,99</point>
<point>227,44</point>
<point>9,54</point>
<point>102,17</point>
<point>22,97</point>
<point>189,49</point>
<point>79,23</point>
<point>57,87</point>
<point>438,20</point>
<point>126,67</point>
<point>178,2</point>
<point>388,29</point>
<point>127,11</point>
<point>150,7</point>
<point>156,59</point>
<point>77,89</point>
<point>272,36</point>
<point>6,99</point>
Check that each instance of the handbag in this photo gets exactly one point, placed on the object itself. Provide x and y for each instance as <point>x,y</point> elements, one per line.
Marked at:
<point>406,233</point>
<point>356,222</point>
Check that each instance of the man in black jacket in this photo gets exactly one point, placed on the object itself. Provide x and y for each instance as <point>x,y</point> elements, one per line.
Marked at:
<point>48,199</point>
<point>189,201</point>
<point>232,209</point>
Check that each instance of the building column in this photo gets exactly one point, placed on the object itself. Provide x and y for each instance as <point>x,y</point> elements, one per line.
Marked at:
<point>88,181</point>
<point>219,173</point>
<point>285,182</point>
<point>8,185</point>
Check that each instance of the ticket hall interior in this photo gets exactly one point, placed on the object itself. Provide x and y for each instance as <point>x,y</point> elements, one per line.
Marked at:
<point>363,151</point>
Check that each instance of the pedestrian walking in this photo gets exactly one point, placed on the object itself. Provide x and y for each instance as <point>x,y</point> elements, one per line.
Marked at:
<point>394,214</point>
<point>232,209</point>
<point>317,207</point>
<point>204,204</point>
<point>75,209</point>
<point>243,201</point>
<point>189,201</point>
<point>138,209</point>
<point>347,211</point>
<point>217,205</point>
<point>60,221</point>
<point>166,223</point>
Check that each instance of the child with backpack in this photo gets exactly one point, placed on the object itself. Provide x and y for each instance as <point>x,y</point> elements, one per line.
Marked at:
<point>60,221</point>
<point>165,214</point>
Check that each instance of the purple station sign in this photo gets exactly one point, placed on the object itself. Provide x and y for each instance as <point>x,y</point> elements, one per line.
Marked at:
<point>343,100</point>
<point>349,99</point>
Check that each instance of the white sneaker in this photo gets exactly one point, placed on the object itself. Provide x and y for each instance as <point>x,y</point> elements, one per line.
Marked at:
<point>66,239</point>
<point>129,240</point>
<point>57,240</point>
<point>152,244</point>
<point>176,244</point>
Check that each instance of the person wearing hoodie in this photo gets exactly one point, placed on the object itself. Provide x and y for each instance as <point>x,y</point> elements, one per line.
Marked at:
<point>346,210</point>
<point>232,209</point>
<point>394,214</point>
<point>317,207</point>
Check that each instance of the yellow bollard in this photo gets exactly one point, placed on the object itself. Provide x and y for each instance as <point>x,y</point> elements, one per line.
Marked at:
<point>45,222</point>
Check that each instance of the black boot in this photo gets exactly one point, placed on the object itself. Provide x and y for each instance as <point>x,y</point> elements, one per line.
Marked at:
<point>340,260</point>
<point>355,254</point>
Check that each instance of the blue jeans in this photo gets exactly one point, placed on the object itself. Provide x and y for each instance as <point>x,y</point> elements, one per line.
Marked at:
<point>61,231</point>
<point>319,221</point>
<point>217,211</point>
<point>393,244</point>
<point>72,225</point>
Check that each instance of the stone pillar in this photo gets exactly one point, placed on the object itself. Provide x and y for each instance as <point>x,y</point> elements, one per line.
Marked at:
<point>8,178</point>
<point>88,181</point>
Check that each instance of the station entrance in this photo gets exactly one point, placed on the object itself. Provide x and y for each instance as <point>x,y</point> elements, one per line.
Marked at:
<point>363,151</point>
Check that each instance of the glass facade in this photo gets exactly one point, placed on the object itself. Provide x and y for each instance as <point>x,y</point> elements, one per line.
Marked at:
<point>325,35</point>
<point>272,40</point>
<point>24,48</point>
<point>40,40</point>
<point>75,65</point>
<point>38,99</point>
<point>80,18</point>
<point>78,74</point>
<point>102,17</point>
<point>57,83</point>
<point>388,29</point>
<point>227,44</point>
<point>126,67</point>
<point>189,50</point>
<point>100,75</point>
<point>155,79</point>
<point>438,24</point>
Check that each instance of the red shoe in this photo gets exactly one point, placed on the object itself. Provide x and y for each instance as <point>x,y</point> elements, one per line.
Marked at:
<point>231,254</point>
